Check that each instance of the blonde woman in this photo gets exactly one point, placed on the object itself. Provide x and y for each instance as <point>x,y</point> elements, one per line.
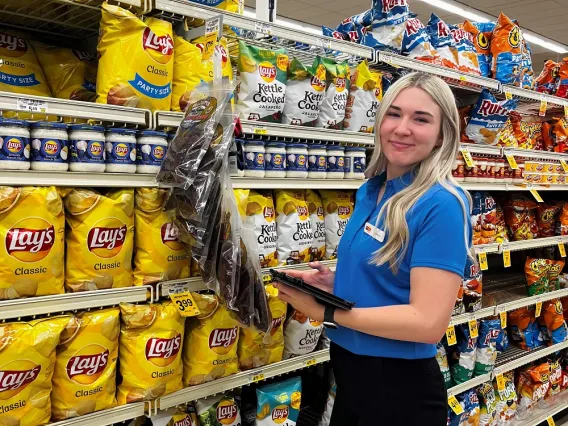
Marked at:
<point>401,259</point>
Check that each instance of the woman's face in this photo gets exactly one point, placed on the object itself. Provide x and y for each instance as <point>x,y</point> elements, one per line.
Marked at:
<point>411,128</point>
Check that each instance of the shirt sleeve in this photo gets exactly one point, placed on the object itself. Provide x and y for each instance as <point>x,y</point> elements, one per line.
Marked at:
<point>439,242</point>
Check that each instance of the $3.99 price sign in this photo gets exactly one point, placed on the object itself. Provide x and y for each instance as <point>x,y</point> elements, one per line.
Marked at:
<point>185,304</point>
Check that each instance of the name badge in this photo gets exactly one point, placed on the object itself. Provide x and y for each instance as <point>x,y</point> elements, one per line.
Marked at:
<point>374,232</point>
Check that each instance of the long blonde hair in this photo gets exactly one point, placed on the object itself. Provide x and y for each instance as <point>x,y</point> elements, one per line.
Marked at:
<point>436,168</point>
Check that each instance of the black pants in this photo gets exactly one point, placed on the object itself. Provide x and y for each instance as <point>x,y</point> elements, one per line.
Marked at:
<point>374,391</point>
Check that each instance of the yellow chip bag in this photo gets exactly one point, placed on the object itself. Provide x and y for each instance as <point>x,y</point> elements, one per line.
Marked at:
<point>32,226</point>
<point>150,351</point>
<point>315,207</point>
<point>99,239</point>
<point>364,97</point>
<point>337,209</point>
<point>85,370</point>
<point>294,227</point>
<point>159,254</point>
<point>211,342</point>
<point>235,6</point>
<point>27,358</point>
<point>188,72</point>
<point>136,60</point>
<point>222,54</point>
<point>257,348</point>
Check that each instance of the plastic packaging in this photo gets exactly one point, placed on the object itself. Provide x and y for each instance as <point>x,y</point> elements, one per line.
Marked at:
<point>254,158</point>
<point>275,160</point>
<point>87,146</point>
<point>335,162</point>
<point>14,144</point>
<point>120,151</point>
<point>151,147</point>
<point>317,162</point>
<point>49,146</point>
<point>355,163</point>
<point>297,161</point>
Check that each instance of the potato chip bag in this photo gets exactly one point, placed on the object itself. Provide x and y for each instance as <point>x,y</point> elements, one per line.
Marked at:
<point>552,322</point>
<point>184,415</point>
<point>210,56</point>
<point>486,355</point>
<point>255,348</point>
<point>462,355</point>
<point>301,335</point>
<point>305,90</point>
<point>188,72</point>
<point>482,33</point>
<point>388,24</point>
<point>442,40</point>
<point>27,359</point>
<point>159,255</point>
<point>70,74</point>
<point>487,404</point>
<point>219,410</point>
<point>294,227</point>
<point>211,342</point>
<point>442,359</point>
<point>85,370</point>
<point>506,50</point>
<point>488,117</point>
<point>562,90</point>
<point>526,79</point>
<point>337,210</point>
<point>472,285</point>
<point>99,239</point>
<point>279,403</point>
<point>332,110</point>
<point>459,307</point>
<point>135,60</point>
<point>532,386</point>
<point>263,83</point>
<point>470,404</point>
<point>364,97</point>
<point>416,42</point>
<point>32,226</point>
<point>506,400</point>
<point>548,79</point>
<point>465,50</point>
<point>488,217</point>
<point>315,208</point>
<point>151,338</point>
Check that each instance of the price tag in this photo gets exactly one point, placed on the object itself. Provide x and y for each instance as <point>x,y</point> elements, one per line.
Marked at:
<point>212,27</point>
<point>467,157</point>
<point>463,78</point>
<point>503,318</point>
<point>473,331</point>
<point>455,405</point>
<point>483,265</point>
<point>542,108</point>
<point>538,309</point>
<point>562,249</point>
<point>185,304</point>
<point>257,377</point>
<point>565,110</point>
<point>512,162</point>
<point>507,258</point>
<point>177,288</point>
<point>564,165</point>
<point>260,131</point>
<point>311,362</point>
<point>550,421</point>
<point>500,382</point>
<point>31,105</point>
<point>536,195</point>
<point>451,335</point>
<point>263,27</point>
<point>508,95</point>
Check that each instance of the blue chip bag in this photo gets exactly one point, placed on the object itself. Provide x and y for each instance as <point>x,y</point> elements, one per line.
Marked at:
<point>279,403</point>
<point>506,48</point>
<point>526,78</point>
<point>462,355</point>
<point>488,117</point>
<point>442,359</point>
<point>443,41</point>
<point>388,25</point>
<point>489,330</point>
<point>330,32</point>
<point>466,53</point>
<point>470,402</point>
<point>416,42</point>
<point>502,341</point>
<point>482,33</point>
<point>346,25</point>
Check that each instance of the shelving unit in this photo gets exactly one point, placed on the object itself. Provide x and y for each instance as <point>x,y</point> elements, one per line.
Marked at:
<point>106,417</point>
<point>76,179</point>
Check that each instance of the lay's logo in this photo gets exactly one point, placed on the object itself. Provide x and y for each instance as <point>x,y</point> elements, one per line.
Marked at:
<point>88,365</point>
<point>268,212</point>
<point>169,234</point>
<point>318,84</point>
<point>267,71</point>
<point>14,145</point>
<point>12,46</point>
<point>121,149</point>
<point>107,237</point>
<point>302,211</point>
<point>51,147</point>
<point>96,149</point>
<point>30,240</point>
<point>159,152</point>
<point>163,44</point>
<point>343,210</point>
<point>163,348</point>
<point>223,337</point>
<point>227,412</point>
<point>186,421</point>
<point>13,381</point>
<point>280,414</point>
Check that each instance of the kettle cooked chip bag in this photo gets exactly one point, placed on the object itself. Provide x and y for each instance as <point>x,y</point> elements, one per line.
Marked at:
<point>337,210</point>
<point>388,27</point>
<point>364,97</point>
<point>32,228</point>
<point>301,335</point>
<point>27,358</point>
<point>99,239</point>
<point>332,110</point>
<point>219,410</point>
<point>442,40</point>
<point>279,403</point>
<point>294,227</point>
<point>263,83</point>
<point>488,118</point>
<point>188,72</point>
<point>85,370</point>
<point>315,208</point>
<point>136,60</point>
<point>151,340</point>
<point>482,33</point>
<point>506,50</point>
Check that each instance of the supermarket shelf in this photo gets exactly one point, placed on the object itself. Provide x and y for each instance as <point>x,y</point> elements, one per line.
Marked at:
<point>488,186</point>
<point>76,179</point>
<point>289,183</point>
<point>482,313</point>
<point>531,300</point>
<point>483,149</point>
<point>470,384</point>
<point>111,115</point>
<point>536,243</point>
<point>515,357</point>
<point>540,414</point>
<point>532,99</point>
<point>106,417</point>
<point>540,155</point>
<point>242,379</point>
<point>41,305</point>
<point>486,248</point>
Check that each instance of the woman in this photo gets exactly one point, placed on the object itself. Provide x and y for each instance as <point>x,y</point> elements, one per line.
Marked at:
<point>401,260</point>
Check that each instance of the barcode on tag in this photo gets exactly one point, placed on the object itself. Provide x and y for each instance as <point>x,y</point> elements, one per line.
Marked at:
<point>212,26</point>
<point>31,105</point>
<point>177,288</point>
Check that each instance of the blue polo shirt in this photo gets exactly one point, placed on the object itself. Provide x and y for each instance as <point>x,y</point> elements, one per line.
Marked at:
<point>435,223</point>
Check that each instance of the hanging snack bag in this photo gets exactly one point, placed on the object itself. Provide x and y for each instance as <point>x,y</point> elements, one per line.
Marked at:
<point>523,328</point>
<point>159,255</point>
<point>279,403</point>
<point>442,359</point>
<point>442,41</point>
<point>506,50</point>
<point>32,226</point>
<point>546,217</point>
<point>472,286</point>
<point>562,90</point>
<point>332,111</point>
<point>315,208</point>
<point>263,83</point>
<point>416,42</point>
<point>488,118</point>
<point>219,410</point>
<point>462,355</point>
<point>85,370</point>
<point>337,210</point>
<point>547,81</point>
<point>255,348</point>
<point>482,33</point>
<point>151,336</point>
<point>135,60</point>
<point>295,234</point>
<point>506,400</point>
<point>189,71</point>
<point>301,335</point>
<point>211,342</point>
<point>488,404</point>
<point>556,267</point>
<point>552,321</point>
<point>532,386</point>
<point>364,97</point>
<point>99,239</point>
<point>465,49</point>
<point>388,24</point>
<point>489,330</point>
<point>536,274</point>
<point>305,91</point>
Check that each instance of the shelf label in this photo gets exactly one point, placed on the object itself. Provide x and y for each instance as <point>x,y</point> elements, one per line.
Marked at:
<point>451,335</point>
<point>508,95</point>
<point>257,377</point>
<point>455,405</point>
<point>483,265</point>
<point>538,309</point>
<point>565,110</point>
<point>564,165</point>
<point>562,249</point>
<point>473,331</point>
<point>550,421</point>
<point>177,288</point>
<point>263,27</point>
<point>185,304</point>
<point>542,108</point>
<point>500,382</point>
<point>260,131</point>
<point>31,105</point>
<point>311,362</point>
<point>512,162</point>
<point>503,318</point>
<point>467,157</point>
<point>463,78</point>
<point>536,195</point>
<point>507,258</point>
<point>325,43</point>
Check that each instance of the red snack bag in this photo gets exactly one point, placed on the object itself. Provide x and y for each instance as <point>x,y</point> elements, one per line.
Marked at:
<point>533,386</point>
<point>507,136</point>
<point>562,90</point>
<point>546,217</point>
<point>547,81</point>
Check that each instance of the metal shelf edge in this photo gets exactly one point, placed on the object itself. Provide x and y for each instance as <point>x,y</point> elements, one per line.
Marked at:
<point>531,356</point>
<point>541,415</point>
<point>106,417</point>
<point>76,179</point>
<point>476,381</point>
<point>531,300</point>
<point>532,95</point>
<point>290,183</point>
<point>482,313</point>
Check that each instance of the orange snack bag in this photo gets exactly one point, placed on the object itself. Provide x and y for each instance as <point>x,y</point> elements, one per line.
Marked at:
<point>552,321</point>
<point>562,90</point>
<point>533,386</point>
<point>523,329</point>
<point>546,219</point>
<point>556,267</point>
<point>547,81</point>
<point>506,51</point>
<point>521,218</point>
<point>536,273</point>
<point>563,219</point>
<point>482,33</point>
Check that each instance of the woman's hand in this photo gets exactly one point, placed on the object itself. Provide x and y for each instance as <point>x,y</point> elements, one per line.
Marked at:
<point>320,276</point>
<point>301,301</point>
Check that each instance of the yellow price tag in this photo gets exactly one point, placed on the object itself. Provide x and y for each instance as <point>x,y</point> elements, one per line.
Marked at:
<point>451,335</point>
<point>463,78</point>
<point>550,421</point>
<point>562,249</point>
<point>536,195</point>
<point>543,107</point>
<point>503,318</point>
<point>508,95</point>
<point>564,165</point>
<point>467,157</point>
<point>507,258</point>
<point>538,309</point>
<point>500,382</point>
<point>260,131</point>
<point>455,405</point>
<point>473,331</point>
<point>512,162</point>
<point>311,362</point>
<point>483,265</point>
<point>565,110</point>
<point>258,377</point>
<point>185,304</point>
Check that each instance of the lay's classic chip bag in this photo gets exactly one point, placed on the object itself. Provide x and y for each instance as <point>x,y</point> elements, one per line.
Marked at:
<point>416,42</point>
<point>136,60</point>
<point>85,370</point>
<point>364,97</point>
<point>279,403</point>
<point>337,209</point>
<point>151,340</point>
<point>482,33</point>
<point>465,50</point>
<point>211,342</point>
<point>388,26</point>
<point>263,83</point>
<point>235,6</point>
<point>32,228</point>
<point>294,227</point>
<point>442,40</point>
<point>332,112</point>
<point>488,118</point>
<point>188,72</point>
<point>159,255</point>
<point>219,410</point>
<point>315,208</point>
<point>99,239</point>
<point>506,50</point>
<point>27,358</point>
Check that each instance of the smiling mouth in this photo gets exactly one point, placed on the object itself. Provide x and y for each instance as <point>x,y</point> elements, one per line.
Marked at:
<point>400,145</point>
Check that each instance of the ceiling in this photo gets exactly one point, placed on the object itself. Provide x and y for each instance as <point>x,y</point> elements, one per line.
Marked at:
<point>546,17</point>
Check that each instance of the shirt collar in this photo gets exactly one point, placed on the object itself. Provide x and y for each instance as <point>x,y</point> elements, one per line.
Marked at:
<point>398,183</point>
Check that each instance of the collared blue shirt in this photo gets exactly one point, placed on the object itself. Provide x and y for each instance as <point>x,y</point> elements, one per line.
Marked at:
<point>436,240</point>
